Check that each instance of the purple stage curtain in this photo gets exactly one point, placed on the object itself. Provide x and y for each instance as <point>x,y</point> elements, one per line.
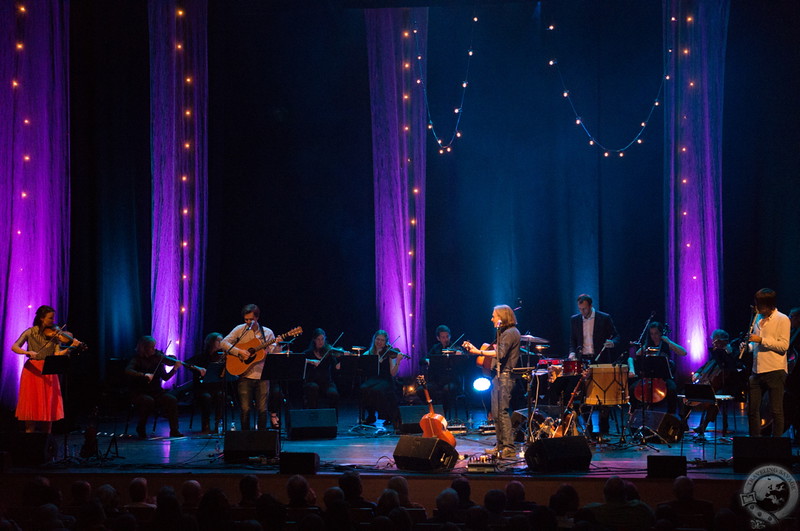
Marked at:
<point>178,103</point>
<point>399,130</point>
<point>34,172</point>
<point>693,169</point>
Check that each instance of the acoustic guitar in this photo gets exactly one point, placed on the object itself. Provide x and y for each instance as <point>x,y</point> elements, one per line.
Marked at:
<point>485,362</point>
<point>433,424</point>
<point>237,365</point>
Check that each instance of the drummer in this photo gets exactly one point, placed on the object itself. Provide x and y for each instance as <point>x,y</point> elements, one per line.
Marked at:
<point>658,344</point>
<point>444,387</point>
<point>593,338</point>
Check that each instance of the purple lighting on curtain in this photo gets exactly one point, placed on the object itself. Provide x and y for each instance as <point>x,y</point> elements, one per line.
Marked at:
<point>178,103</point>
<point>398,153</point>
<point>696,34</point>
<point>34,173</point>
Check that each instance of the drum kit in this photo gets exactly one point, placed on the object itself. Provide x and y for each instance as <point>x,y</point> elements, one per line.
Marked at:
<point>602,384</point>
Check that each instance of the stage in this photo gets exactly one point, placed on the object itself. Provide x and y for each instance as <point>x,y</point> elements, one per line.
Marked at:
<point>369,449</point>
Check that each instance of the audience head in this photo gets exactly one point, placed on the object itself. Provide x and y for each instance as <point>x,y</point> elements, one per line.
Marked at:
<point>399,484</point>
<point>614,490</point>
<point>569,496</point>
<point>80,492</point>
<point>297,490</point>
<point>268,509</point>
<point>248,487</point>
<point>515,492</point>
<point>683,488</point>
<point>191,491</point>
<point>387,501</point>
<point>350,483</point>
<point>495,501</point>
<point>543,518</point>
<point>631,492</point>
<point>401,520</point>
<point>463,489</point>
<point>108,496</point>
<point>476,518</point>
<point>137,490</point>
<point>331,496</point>
<point>447,502</point>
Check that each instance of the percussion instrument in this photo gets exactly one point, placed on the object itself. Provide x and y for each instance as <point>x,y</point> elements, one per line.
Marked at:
<point>607,385</point>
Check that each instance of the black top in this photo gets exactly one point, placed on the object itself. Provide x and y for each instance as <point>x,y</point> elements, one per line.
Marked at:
<point>604,329</point>
<point>507,348</point>
<point>155,364</point>
<point>323,371</point>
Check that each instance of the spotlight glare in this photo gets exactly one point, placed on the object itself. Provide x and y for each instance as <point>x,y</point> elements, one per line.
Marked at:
<point>481,384</point>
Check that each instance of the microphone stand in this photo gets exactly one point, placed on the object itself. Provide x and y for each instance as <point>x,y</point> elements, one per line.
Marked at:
<point>224,376</point>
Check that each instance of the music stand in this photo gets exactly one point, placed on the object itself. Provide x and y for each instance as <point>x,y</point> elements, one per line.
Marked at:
<point>59,365</point>
<point>284,367</point>
<point>650,368</point>
<point>367,366</point>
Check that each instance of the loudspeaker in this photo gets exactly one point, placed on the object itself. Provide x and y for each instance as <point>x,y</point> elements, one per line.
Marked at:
<point>666,425</point>
<point>29,449</point>
<point>411,415</point>
<point>240,446</point>
<point>561,454</point>
<point>311,424</point>
<point>666,466</point>
<point>424,454</point>
<point>751,452</point>
<point>299,463</point>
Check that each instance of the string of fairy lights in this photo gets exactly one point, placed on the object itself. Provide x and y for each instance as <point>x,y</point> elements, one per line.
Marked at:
<point>17,86</point>
<point>444,143</point>
<point>593,139</point>
<point>184,155</point>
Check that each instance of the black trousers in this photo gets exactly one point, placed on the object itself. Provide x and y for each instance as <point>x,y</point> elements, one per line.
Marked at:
<point>773,382</point>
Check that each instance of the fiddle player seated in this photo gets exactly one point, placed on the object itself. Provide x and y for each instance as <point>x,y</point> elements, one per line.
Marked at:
<point>720,373</point>
<point>656,344</point>
<point>444,386</point>
<point>146,371</point>
<point>321,360</point>
<point>378,392</point>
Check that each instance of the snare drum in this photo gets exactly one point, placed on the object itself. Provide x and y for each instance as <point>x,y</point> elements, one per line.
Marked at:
<point>571,367</point>
<point>607,385</point>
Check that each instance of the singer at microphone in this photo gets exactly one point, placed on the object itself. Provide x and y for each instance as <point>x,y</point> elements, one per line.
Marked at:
<point>251,335</point>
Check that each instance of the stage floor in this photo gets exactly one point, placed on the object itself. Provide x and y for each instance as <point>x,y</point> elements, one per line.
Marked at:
<point>170,461</point>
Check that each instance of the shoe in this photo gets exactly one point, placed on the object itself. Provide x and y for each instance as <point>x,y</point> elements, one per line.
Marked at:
<point>492,451</point>
<point>175,433</point>
<point>508,453</point>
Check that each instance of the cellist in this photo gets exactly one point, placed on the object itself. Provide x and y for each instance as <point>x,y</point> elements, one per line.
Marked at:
<point>658,344</point>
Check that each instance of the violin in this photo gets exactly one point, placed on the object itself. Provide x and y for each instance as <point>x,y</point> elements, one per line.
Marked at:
<point>54,333</point>
<point>172,360</point>
<point>393,353</point>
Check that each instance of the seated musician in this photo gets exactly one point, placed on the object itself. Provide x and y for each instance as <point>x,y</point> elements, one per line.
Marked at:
<point>146,371</point>
<point>208,394</point>
<point>719,372</point>
<point>444,386</point>
<point>657,344</point>
<point>378,392</point>
<point>321,359</point>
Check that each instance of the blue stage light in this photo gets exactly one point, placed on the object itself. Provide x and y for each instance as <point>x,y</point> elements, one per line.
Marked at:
<point>481,384</point>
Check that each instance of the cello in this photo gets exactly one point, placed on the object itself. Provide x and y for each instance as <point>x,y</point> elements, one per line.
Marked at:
<point>433,424</point>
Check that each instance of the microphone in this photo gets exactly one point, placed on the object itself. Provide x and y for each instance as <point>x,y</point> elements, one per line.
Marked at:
<point>248,326</point>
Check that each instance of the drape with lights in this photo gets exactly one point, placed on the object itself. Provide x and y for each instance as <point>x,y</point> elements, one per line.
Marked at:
<point>398,153</point>
<point>34,173</point>
<point>178,103</point>
<point>696,33</point>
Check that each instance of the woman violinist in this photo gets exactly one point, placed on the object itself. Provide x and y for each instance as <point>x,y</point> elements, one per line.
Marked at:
<point>322,359</point>
<point>378,392</point>
<point>40,394</point>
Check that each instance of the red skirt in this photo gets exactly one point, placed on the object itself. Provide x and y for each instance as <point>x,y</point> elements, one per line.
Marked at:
<point>39,394</point>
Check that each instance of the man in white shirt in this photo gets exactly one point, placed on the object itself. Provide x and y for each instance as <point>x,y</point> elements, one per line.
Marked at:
<point>250,385</point>
<point>769,341</point>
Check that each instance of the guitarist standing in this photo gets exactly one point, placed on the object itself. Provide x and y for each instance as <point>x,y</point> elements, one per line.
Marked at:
<point>506,356</point>
<point>250,385</point>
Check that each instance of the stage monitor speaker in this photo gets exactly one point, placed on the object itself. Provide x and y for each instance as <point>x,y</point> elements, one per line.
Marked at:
<point>561,454</point>
<point>666,466</point>
<point>751,452</point>
<point>411,415</point>
<point>311,424</point>
<point>664,424</point>
<point>305,463</point>
<point>29,449</point>
<point>424,454</point>
<point>240,446</point>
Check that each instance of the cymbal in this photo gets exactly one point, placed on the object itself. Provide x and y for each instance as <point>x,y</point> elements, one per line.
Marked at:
<point>534,339</point>
<point>358,349</point>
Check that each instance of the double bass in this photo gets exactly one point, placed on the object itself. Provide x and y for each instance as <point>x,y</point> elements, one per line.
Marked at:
<point>433,424</point>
